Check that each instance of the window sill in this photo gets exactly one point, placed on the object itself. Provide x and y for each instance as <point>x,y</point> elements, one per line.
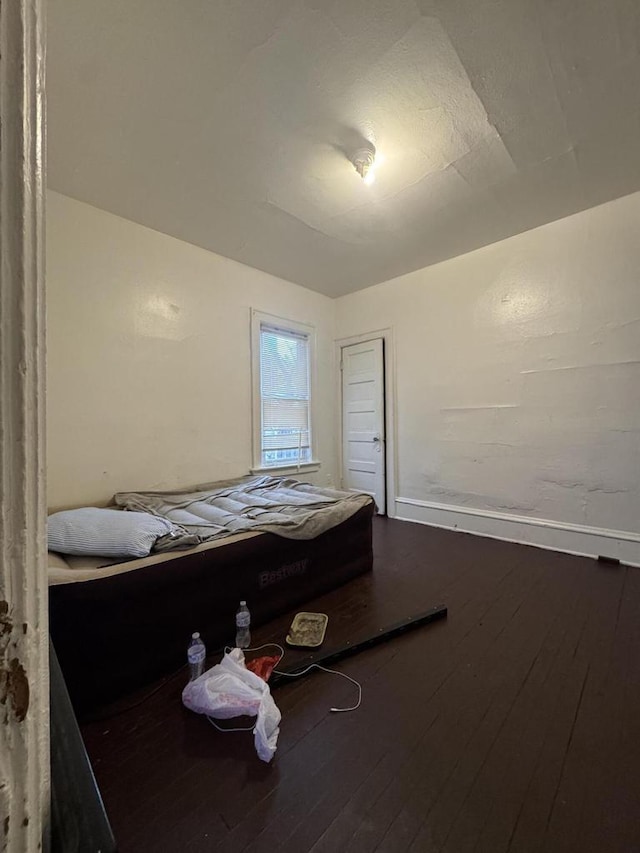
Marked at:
<point>305,468</point>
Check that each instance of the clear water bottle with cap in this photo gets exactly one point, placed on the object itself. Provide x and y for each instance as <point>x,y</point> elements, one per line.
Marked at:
<point>196,653</point>
<point>243,621</point>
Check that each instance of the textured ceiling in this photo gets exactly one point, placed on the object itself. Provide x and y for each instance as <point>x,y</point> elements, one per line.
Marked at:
<point>227,123</point>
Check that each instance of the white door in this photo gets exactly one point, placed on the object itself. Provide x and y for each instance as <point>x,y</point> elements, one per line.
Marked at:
<point>363,438</point>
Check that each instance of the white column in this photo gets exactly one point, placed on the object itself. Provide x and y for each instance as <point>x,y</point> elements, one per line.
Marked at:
<point>24,684</point>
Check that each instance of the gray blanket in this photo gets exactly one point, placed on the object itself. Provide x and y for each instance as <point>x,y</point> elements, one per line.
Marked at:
<point>267,504</point>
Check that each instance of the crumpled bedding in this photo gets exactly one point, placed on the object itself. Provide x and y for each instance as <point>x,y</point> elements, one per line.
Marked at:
<point>279,505</point>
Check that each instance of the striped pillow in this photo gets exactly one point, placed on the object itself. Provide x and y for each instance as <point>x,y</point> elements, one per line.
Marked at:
<point>106,532</point>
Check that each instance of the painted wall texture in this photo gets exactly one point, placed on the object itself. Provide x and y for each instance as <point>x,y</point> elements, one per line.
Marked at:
<point>149,373</point>
<point>518,371</point>
<point>517,366</point>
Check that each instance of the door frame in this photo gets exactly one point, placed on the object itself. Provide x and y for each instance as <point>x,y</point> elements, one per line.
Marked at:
<point>389,361</point>
<point>24,648</point>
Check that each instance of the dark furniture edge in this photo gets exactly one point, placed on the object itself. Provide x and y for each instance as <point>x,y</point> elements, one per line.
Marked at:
<point>79,822</point>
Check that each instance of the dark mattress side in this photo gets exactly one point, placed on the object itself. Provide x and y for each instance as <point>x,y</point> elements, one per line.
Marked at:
<point>116,634</point>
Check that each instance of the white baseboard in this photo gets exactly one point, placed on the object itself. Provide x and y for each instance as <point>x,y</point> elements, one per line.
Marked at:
<point>543,533</point>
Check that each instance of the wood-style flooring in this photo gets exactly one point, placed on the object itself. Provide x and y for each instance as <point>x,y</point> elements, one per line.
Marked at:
<point>514,725</point>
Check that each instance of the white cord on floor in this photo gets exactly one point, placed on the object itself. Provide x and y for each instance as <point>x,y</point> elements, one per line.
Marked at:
<point>294,675</point>
<point>333,672</point>
<point>227,649</point>
<point>220,729</point>
<point>304,671</point>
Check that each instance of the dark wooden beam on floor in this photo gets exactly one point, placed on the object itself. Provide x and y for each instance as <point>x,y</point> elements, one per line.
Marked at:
<point>350,648</point>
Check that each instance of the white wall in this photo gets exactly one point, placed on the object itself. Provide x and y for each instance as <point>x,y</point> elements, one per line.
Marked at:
<point>518,383</point>
<point>517,373</point>
<point>149,378</point>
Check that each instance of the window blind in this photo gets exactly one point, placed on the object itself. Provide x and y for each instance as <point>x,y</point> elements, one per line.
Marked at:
<point>285,396</point>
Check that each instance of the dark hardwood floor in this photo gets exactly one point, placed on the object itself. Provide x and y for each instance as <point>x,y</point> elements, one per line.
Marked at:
<point>514,725</point>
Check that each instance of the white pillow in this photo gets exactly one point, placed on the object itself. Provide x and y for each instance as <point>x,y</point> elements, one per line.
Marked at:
<point>106,532</point>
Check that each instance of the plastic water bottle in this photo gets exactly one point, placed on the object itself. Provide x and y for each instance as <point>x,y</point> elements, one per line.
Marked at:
<point>243,620</point>
<point>196,653</point>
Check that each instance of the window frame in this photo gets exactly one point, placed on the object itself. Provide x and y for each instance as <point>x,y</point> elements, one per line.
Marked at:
<point>258,319</point>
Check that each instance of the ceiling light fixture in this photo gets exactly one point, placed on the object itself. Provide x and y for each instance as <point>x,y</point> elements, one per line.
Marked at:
<point>364,161</point>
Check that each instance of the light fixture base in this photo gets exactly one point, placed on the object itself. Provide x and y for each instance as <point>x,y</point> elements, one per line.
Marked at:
<point>363,160</point>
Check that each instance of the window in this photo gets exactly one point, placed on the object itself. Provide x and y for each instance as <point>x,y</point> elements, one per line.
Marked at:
<point>282,380</point>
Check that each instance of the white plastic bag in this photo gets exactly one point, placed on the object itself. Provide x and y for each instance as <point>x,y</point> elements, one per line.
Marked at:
<point>229,689</point>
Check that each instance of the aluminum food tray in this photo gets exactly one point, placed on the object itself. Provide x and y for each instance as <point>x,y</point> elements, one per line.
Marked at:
<point>307,630</point>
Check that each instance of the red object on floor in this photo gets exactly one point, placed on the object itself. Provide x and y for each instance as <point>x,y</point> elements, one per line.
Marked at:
<point>263,666</point>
